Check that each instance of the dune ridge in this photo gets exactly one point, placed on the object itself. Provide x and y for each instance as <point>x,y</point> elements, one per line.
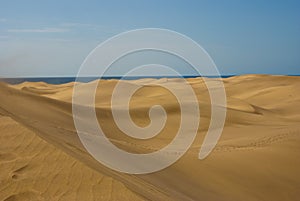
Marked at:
<point>257,157</point>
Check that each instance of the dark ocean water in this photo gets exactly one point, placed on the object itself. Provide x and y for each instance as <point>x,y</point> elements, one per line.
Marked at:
<point>62,80</point>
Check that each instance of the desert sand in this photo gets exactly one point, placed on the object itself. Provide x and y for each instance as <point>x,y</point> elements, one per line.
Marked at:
<point>256,158</point>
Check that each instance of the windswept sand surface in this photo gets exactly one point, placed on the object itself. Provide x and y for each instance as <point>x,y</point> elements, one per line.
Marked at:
<point>257,157</point>
<point>32,169</point>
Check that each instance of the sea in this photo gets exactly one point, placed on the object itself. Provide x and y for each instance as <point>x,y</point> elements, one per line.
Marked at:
<point>62,80</point>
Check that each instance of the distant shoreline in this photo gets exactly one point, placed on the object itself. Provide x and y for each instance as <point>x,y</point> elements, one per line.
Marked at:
<point>63,80</point>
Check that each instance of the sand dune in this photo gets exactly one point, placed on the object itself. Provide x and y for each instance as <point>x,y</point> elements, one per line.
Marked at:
<point>32,169</point>
<point>257,157</point>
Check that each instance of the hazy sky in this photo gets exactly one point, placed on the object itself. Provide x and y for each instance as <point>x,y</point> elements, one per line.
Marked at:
<point>52,38</point>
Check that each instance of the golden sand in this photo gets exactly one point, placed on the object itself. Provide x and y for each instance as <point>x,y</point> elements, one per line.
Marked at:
<point>257,157</point>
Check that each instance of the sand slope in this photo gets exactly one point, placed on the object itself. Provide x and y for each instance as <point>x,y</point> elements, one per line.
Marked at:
<point>257,157</point>
<point>32,169</point>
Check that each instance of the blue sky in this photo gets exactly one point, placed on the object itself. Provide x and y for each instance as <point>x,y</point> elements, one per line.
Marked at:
<point>52,38</point>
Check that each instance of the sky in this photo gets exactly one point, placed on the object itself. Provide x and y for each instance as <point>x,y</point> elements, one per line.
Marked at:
<point>52,38</point>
